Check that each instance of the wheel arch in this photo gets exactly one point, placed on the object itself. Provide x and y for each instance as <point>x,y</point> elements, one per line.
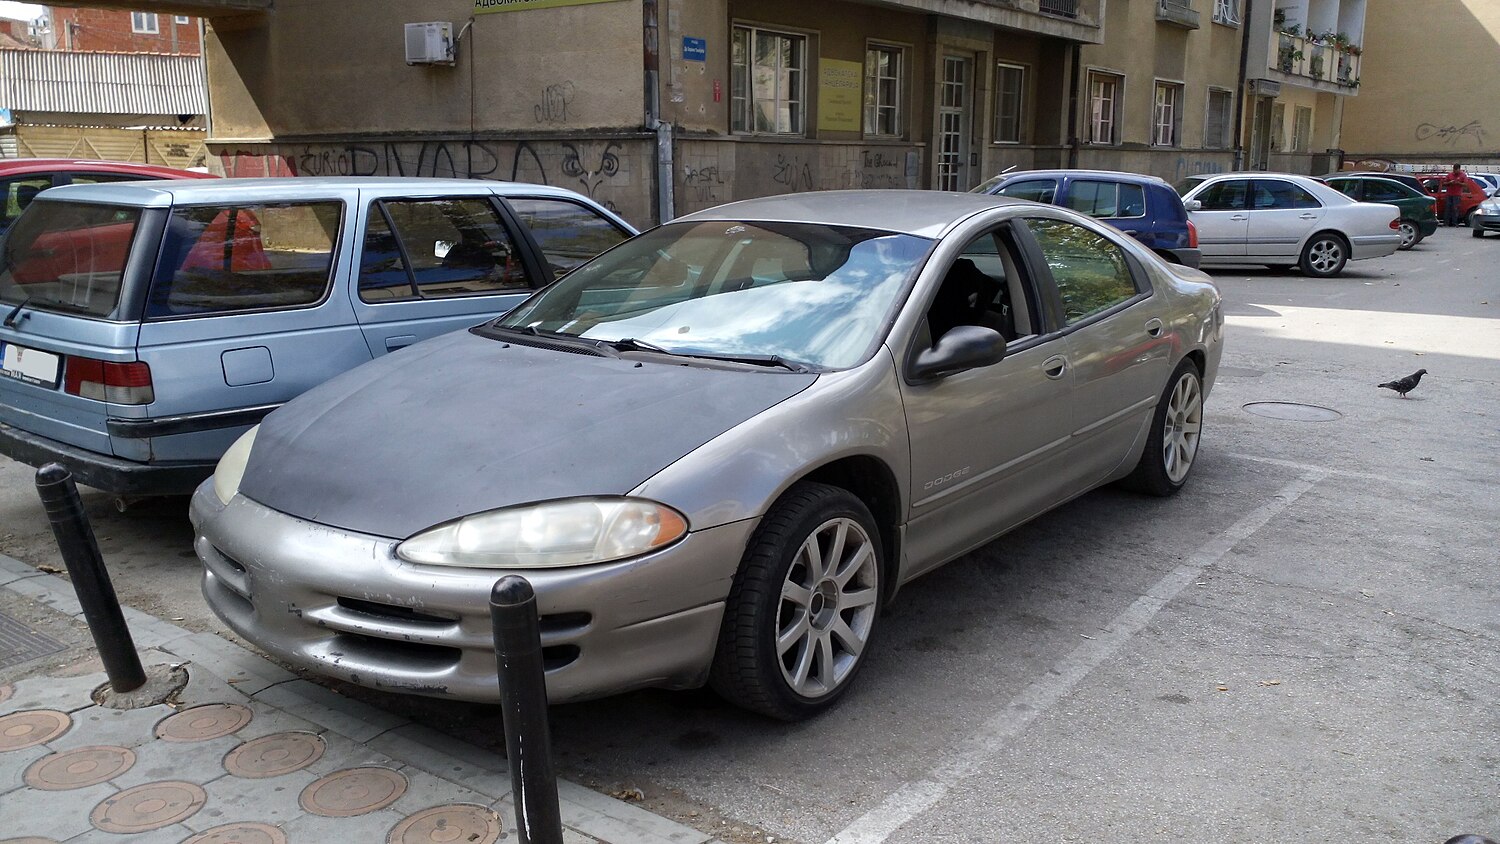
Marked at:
<point>871,480</point>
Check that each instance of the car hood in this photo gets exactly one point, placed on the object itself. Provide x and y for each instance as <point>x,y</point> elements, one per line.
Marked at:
<point>463,424</point>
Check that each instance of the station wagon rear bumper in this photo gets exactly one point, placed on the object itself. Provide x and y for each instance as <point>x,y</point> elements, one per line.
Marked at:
<point>1188,257</point>
<point>108,473</point>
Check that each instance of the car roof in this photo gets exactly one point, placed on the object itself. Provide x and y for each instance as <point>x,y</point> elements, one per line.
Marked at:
<point>163,193</point>
<point>15,166</point>
<point>1116,175</point>
<point>917,212</point>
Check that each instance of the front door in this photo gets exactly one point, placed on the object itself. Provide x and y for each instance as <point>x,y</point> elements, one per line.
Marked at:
<point>1223,220</point>
<point>954,124</point>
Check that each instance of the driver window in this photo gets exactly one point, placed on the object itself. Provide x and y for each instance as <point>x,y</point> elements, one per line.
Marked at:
<point>982,287</point>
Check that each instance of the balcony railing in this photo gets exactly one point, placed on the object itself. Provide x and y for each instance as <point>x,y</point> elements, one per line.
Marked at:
<point>1312,58</point>
<point>1060,8</point>
<point>1177,12</point>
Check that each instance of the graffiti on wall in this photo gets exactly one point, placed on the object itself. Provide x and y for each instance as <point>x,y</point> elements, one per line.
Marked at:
<point>703,185</point>
<point>1193,166</point>
<point>554,104</point>
<point>1451,134</point>
<point>593,168</point>
<point>792,172</point>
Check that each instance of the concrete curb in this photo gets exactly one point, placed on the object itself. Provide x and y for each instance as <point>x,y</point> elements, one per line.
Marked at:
<point>586,811</point>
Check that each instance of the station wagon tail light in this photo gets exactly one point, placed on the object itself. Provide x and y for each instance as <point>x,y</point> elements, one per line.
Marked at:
<point>102,380</point>
<point>1192,235</point>
<point>570,532</point>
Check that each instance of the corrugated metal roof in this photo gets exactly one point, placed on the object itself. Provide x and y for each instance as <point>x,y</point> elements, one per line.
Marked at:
<point>102,83</point>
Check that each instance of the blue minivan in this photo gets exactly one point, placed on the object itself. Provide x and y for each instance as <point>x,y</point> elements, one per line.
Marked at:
<point>1144,207</point>
<point>146,325</point>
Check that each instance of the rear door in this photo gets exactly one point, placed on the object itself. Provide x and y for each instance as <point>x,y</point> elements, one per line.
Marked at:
<point>1282,215</point>
<point>433,264</point>
<point>243,314</point>
<point>1121,204</point>
<point>1224,220</point>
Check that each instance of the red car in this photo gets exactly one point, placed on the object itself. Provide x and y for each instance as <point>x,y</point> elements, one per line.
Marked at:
<point>21,179</point>
<point>1473,194</point>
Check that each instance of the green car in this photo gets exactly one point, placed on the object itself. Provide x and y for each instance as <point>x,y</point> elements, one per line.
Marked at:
<point>1418,210</point>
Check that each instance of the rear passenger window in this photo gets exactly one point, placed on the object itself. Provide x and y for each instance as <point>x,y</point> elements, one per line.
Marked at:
<point>438,248</point>
<point>1107,199</point>
<point>1278,195</point>
<point>221,259</point>
<point>1091,273</point>
<point>568,233</point>
<point>1036,190</point>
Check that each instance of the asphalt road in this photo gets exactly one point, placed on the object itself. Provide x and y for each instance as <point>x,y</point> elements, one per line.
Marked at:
<point>1301,646</point>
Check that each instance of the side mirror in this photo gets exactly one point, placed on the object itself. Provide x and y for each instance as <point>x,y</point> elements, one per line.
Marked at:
<point>1192,204</point>
<point>964,347</point>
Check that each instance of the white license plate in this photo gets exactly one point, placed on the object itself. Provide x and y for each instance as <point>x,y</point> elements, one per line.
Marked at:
<point>32,366</point>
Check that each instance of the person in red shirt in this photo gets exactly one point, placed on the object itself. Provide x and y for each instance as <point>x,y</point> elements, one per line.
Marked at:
<point>1452,186</point>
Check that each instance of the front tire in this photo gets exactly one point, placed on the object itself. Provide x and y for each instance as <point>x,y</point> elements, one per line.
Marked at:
<point>1411,235</point>
<point>1176,427</point>
<point>1325,255</point>
<point>804,605</point>
<point>1477,231</point>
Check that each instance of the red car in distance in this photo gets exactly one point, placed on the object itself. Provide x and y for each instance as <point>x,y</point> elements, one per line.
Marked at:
<point>1473,194</point>
<point>21,179</point>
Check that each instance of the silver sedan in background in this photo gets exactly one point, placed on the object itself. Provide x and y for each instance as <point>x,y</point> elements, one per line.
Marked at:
<point>1280,219</point>
<point>716,450</point>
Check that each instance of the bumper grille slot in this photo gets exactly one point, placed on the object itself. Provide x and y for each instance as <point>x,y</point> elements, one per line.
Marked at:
<point>559,656</point>
<point>395,656</point>
<point>564,623</point>
<point>390,612</point>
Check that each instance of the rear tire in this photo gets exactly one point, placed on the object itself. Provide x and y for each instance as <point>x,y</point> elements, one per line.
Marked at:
<point>803,608</point>
<point>1411,235</point>
<point>1176,428</point>
<point>1325,255</point>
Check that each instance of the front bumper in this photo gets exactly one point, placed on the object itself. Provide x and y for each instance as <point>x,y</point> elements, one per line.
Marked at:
<point>342,604</point>
<point>1485,222</point>
<point>100,471</point>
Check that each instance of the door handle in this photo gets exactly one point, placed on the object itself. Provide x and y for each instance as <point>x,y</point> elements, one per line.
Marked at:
<point>399,342</point>
<point>1308,216</point>
<point>1055,366</point>
<point>1239,217</point>
<point>1154,327</point>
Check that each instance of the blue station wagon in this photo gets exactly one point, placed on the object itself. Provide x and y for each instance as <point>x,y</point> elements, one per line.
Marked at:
<point>147,325</point>
<point>1144,207</point>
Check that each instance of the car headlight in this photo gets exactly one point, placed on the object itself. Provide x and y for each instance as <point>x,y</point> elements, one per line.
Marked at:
<point>231,468</point>
<point>571,532</point>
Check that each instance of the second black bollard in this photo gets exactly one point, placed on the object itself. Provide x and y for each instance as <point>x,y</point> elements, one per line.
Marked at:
<point>523,700</point>
<point>96,594</point>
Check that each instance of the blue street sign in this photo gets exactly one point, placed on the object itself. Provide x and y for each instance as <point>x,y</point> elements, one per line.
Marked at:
<point>695,49</point>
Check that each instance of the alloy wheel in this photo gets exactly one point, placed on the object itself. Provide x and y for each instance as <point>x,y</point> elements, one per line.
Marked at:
<point>827,609</point>
<point>1409,234</point>
<point>1325,255</point>
<point>1184,424</point>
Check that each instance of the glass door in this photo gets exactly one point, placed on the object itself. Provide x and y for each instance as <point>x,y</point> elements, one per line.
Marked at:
<point>954,120</point>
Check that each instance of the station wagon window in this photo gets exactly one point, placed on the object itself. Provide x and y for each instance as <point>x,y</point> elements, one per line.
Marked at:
<point>1106,199</point>
<point>1224,196</point>
<point>1276,195</point>
<point>1091,273</point>
<point>1036,190</point>
<point>68,257</point>
<point>567,233</point>
<point>219,259</point>
<point>440,247</point>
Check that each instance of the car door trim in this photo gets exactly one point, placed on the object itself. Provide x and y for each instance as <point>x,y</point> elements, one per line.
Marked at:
<point>1114,417</point>
<point>187,423</point>
<point>1029,457</point>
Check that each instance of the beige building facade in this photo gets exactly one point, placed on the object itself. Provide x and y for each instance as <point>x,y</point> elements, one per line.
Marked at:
<point>1431,78</point>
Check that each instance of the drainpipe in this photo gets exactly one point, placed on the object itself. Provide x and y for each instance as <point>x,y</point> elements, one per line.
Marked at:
<point>1239,91</point>
<point>663,129</point>
<point>1073,95</point>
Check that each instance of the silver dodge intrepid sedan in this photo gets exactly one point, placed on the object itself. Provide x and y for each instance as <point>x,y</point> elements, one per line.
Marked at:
<point>716,450</point>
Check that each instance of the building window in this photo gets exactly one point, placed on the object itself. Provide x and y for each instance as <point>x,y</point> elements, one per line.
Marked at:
<point>182,20</point>
<point>1104,107</point>
<point>1227,12</point>
<point>144,22</point>
<point>1166,115</point>
<point>766,81</point>
<point>1278,127</point>
<point>1216,126</point>
<point>1302,130</point>
<point>883,69</point>
<point>1010,98</point>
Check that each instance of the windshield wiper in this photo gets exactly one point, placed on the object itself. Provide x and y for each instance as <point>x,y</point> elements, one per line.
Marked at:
<point>756,360</point>
<point>630,344</point>
<point>10,319</point>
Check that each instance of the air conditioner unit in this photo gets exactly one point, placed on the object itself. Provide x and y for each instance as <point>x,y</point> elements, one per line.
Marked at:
<point>429,43</point>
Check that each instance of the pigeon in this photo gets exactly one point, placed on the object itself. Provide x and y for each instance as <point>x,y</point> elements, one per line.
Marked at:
<point>1405,385</point>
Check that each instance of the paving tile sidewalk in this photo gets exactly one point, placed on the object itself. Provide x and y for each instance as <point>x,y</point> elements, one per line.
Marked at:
<point>247,753</point>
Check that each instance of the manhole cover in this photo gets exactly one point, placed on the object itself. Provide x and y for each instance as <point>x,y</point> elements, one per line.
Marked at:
<point>459,823</point>
<point>150,806</point>
<point>274,755</point>
<point>1294,411</point>
<point>19,643</point>
<point>201,723</point>
<point>33,727</point>
<point>79,768</point>
<point>239,833</point>
<point>356,791</point>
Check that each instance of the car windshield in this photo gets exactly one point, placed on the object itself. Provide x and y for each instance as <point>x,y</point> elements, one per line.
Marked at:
<point>68,256</point>
<point>811,295</point>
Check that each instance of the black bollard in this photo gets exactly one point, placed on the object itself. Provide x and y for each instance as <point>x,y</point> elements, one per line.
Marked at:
<point>80,552</point>
<point>523,700</point>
